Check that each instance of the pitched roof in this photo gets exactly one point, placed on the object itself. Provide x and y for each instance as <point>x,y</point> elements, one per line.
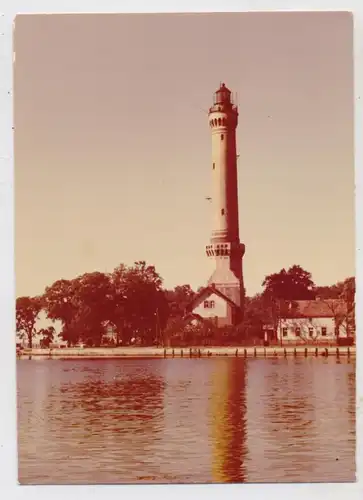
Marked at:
<point>319,308</point>
<point>205,293</point>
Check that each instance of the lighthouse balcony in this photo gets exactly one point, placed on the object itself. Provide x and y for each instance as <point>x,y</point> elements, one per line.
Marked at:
<point>220,117</point>
<point>218,249</point>
<point>225,249</point>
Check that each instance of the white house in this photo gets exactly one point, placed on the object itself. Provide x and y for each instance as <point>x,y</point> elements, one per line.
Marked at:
<point>211,304</point>
<point>314,321</point>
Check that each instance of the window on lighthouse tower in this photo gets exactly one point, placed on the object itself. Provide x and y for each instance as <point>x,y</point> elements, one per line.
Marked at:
<point>222,137</point>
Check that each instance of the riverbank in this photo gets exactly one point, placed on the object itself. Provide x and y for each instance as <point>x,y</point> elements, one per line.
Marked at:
<point>193,352</point>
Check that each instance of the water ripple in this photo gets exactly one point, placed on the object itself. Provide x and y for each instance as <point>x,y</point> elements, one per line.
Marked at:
<point>181,420</point>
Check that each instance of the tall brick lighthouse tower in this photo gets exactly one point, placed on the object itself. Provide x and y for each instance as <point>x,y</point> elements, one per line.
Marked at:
<point>225,248</point>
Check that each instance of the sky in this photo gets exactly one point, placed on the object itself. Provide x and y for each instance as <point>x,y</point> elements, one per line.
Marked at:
<point>113,147</point>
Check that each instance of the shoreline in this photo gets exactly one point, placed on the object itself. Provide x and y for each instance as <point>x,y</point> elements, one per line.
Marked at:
<point>189,352</point>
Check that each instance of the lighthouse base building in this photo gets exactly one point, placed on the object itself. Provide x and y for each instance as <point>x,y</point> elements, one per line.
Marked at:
<point>223,298</point>
<point>211,304</point>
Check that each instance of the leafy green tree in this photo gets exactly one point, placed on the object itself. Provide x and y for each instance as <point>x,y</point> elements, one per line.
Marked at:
<point>27,311</point>
<point>178,299</point>
<point>344,290</point>
<point>293,284</point>
<point>93,298</point>
<point>348,295</point>
<point>47,336</point>
<point>82,305</point>
<point>140,306</point>
<point>255,317</point>
<point>60,305</point>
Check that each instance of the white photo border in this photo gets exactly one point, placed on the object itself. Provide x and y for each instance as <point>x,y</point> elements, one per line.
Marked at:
<point>8,454</point>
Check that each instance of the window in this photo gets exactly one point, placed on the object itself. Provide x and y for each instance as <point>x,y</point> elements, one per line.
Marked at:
<point>209,304</point>
<point>222,211</point>
<point>323,331</point>
<point>284,332</point>
<point>311,332</point>
<point>222,137</point>
<point>297,332</point>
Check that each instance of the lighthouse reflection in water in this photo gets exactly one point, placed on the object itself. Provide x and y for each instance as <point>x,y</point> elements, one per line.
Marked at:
<point>214,420</point>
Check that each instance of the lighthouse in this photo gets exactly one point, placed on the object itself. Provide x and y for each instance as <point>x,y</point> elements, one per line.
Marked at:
<point>225,248</point>
<point>222,300</point>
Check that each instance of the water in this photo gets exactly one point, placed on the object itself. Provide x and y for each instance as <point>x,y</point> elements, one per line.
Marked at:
<point>186,420</point>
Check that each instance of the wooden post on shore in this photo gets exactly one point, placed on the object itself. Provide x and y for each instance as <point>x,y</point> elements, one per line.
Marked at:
<point>338,353</point>
<point>326,352</point>
<point>236,353</point>
<point>164,353</point>
<point>190,352</point>
<point>181,353</point>
<point>316,351</point>
<point>255,352</point>
<point>173,353</point>
<point>295,353</point>
<point>306,352</point>
<point>264,352</point>
<point>199,353</point>
<point>348,352</point>
<point>245,353</point>
<point>285,352</point>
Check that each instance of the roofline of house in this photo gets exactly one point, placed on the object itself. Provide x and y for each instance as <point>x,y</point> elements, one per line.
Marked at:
<point>209,289</point>
<point>312,316</point>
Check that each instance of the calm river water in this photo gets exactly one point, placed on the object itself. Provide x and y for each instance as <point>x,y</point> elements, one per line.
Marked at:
<point>186,420</point>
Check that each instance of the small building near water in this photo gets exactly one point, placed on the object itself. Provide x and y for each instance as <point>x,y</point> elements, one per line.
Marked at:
<point>314,321</point>
<point>211,304</point>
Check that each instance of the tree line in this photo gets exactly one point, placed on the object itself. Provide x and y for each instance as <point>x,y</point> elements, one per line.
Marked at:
<point>132,302</point>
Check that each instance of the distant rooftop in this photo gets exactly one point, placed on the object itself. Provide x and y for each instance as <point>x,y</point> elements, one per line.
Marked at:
<point>317,308</point>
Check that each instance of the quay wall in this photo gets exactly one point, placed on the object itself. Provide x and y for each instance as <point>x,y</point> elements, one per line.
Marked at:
<point>195,352</point>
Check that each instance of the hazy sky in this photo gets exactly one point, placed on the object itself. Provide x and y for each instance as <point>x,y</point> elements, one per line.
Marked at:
<point>113,146</point>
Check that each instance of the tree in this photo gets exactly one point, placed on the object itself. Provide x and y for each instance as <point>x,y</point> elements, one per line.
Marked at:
<point>93,298</point>
<point>344,291</point>
<point>348,295</point>
<point>293,284</point>
<point>27,311</point>
<point>59,305</point>
<point>178,299</point>
<point>82,305</point>
<point>47,336</point>
<point>255,316</point>
<point>140,307</point>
